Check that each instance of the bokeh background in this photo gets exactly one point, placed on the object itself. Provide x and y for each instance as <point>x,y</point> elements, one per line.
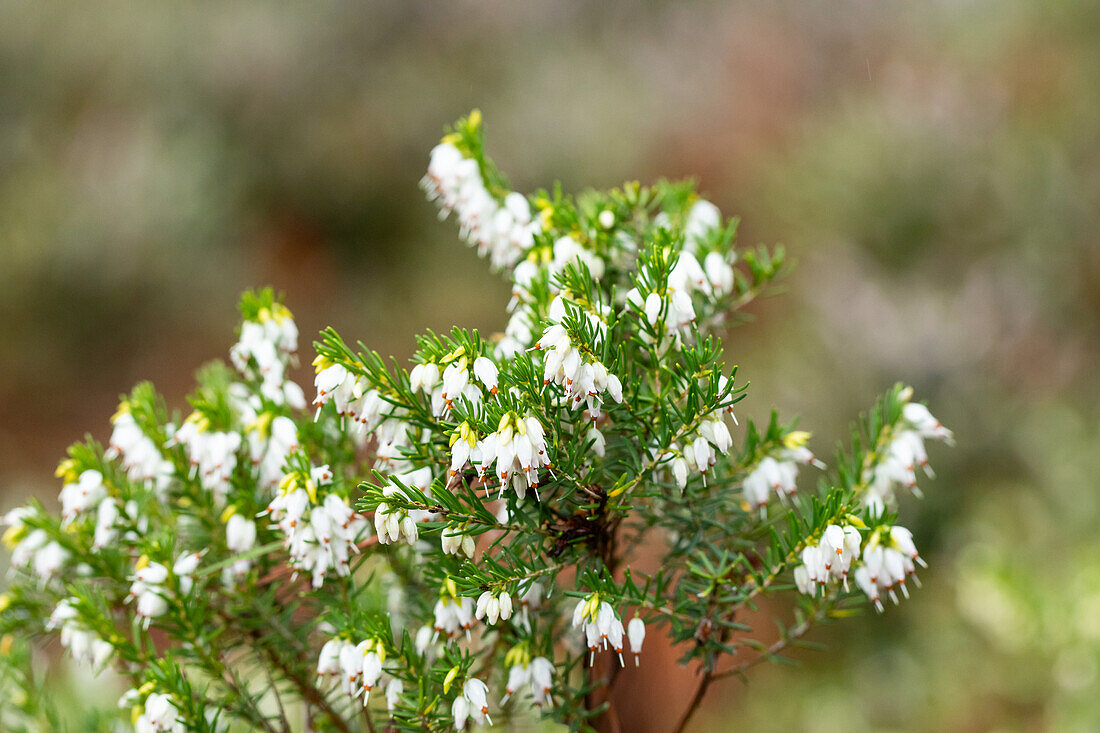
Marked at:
<point>934,168</point>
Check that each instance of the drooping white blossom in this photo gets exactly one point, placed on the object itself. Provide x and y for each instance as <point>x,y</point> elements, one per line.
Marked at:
<point>493,607</point>
<point>160,714</point>
<point>889,565</point>
<point>778,471</point>
<point>371,668</point>
<point>81,495</point>
<point>107,516</point>
<point>149,590</point>
<point>828,559</point>
<point>351,669</point>
<point>602,626</point>
<point>83,643</point>
<point>456,542</point>
<point>903,456</point>
<point>702,218</point>
<point>184,568</point>
<point>212,453</point>
<point>635,634</point>
<point>460,712</point>
<point>139,455</point>
<point>476,694</point>
<point>515,451</point>
<point>240,537</point>
<point>424,640</point>
<point>394,688</point>
<point>486,372</point>
<point>542,680</point>
<point>537,673</point>
<point>320,534</point>
<point>265,350</point>
<point>240,534</point>
<point>501,230</point>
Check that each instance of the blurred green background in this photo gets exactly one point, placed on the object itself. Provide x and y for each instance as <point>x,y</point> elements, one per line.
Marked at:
<point>935,170</point>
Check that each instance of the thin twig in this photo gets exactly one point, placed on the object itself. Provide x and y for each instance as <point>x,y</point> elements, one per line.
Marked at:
<point>711,676</point>
<point>278,700</point>
<point>308,692</point>
<point>696,698</point>
<point>792,635</point>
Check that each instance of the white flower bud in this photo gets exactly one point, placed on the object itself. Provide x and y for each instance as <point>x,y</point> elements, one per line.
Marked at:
<point>680,471</point>
<point>486,372</point>
<point>635,632</point>
<point>394,688</point>
<point>460,711</point>
<point>653,307</point>
<point>240,534</point>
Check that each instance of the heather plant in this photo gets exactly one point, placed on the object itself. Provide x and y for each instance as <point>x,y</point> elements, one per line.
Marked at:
<point>457,544</point>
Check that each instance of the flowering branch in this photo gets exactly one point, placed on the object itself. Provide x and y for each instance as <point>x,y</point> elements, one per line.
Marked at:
<point>438,522</point>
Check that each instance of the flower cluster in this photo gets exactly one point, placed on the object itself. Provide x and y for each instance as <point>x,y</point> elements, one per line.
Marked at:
<point>363,407</point>
<point>889,561</point>
<point>904,455</point>
<point>473,704</point>
<point>271,439</point>
<point>455,542</point>
<point>523,318</point>
<point>603,629</point>
<point>358,667</point>
<point>493,607</point>
<point>139,454</point>
<point>83,643</point>
<point>454,614</point>
<point>267,346</point>
<point>887,557</point>
<point>778,470</point>
<point>669,304</point>
<point>582,377</point>
<point>523,670</point>
<point>81,495</point>
<point>213,453</point>
<point>240,537</point>
<point>454,381</point>
<point>516,451</point>
<point>393,523</point>
<point>700,450</point>
<point>32,548</point>
<point>158,714</point>
<point>828,560</point>
<point>151,589</point>
<point>319,535</point>
<point>502,230</point>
